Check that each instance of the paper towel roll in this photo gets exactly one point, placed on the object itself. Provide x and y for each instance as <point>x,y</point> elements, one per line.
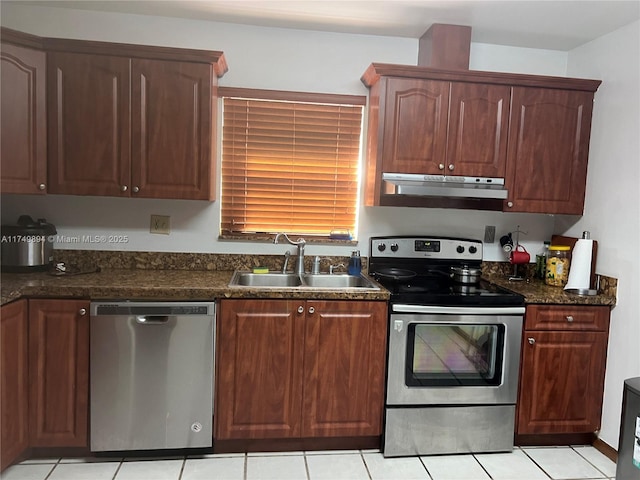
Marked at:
<point>580,271</point>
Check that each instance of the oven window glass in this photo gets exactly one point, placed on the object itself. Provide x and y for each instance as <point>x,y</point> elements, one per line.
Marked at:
<point>454,355</point>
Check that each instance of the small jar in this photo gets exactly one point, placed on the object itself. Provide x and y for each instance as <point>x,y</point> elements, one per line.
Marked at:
<point>558,262</point>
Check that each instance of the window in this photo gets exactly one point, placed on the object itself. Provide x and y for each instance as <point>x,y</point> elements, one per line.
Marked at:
<point>289,162</point>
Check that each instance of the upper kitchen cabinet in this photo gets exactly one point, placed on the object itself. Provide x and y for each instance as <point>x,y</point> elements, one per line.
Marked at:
<point>548,150</point>
<point>438,128</point>
<point>133,121</point>
<point>23,150</point>
<point>530,132</point>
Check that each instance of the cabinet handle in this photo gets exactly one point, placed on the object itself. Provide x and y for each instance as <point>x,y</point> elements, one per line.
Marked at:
<point>124,188</point>
<point>509,204</point>
<point>42,186</point>
<point>136,189</point>
<point>82,312</point>
<point>300,309</point>
<point>531,340</point>
<point>312,310</point>
<point>451,167</point>
<point>441,166</point>
<point>569,318</point>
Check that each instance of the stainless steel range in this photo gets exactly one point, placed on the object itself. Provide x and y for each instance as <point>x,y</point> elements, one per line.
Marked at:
<point>454,348</point>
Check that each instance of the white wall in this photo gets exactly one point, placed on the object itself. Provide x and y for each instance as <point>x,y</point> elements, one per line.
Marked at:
<point>259,58</point>
<point>612,208</point>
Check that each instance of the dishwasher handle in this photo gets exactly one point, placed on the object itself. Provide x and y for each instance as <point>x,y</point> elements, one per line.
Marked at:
<point>152,319</point>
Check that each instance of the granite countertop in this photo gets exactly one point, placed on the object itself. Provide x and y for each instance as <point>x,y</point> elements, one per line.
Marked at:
<point>536,291</point>
<point>158,285</point>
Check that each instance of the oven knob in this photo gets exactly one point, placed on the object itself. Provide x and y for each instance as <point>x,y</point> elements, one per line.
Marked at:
<point>394,247</point>
<point>460,249</point>
<point>473,249</point>
<point>382,247</point>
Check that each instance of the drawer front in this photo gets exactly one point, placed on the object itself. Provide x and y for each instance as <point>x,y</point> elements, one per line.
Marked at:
<point>567,317</point>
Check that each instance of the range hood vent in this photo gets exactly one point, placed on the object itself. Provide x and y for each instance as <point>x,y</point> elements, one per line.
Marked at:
<point>444,186</point>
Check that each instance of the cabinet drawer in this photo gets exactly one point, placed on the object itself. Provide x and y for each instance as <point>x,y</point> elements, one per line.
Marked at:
<point>567,317</point>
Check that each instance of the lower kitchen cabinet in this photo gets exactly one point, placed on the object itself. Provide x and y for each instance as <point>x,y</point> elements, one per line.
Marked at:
<point>14,393</point>
<point>562,370</point>
<point>299,369</point>
<point>58,372</point>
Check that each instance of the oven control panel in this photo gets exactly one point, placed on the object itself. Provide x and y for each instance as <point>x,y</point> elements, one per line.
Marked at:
<point>441,248</point>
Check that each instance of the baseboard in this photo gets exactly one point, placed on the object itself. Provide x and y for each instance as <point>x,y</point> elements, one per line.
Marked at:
<point>606,449</point>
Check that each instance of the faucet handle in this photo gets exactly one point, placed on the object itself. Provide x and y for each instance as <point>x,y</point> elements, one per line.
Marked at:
<point>333,267</point>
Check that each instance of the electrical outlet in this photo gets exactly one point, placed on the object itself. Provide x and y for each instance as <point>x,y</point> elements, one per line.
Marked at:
<point>489,234</point>
<point>160,224</point>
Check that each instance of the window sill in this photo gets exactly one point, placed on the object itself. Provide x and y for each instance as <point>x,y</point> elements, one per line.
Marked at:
<point>267,237</point>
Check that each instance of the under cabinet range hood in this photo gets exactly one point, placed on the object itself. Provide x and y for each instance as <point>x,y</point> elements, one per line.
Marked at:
<point>444,186</point>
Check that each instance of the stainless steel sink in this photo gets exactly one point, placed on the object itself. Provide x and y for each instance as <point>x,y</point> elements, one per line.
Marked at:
<point>307,280</point>
<point>324,280</point>
<point>274,279</point>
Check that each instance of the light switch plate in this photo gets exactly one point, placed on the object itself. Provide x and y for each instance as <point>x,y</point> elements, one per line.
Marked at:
<point>160,224</point>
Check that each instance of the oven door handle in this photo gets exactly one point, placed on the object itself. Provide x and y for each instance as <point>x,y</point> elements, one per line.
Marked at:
<point>401,308</point>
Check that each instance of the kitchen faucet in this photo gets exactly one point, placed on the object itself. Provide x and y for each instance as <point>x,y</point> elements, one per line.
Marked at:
<point>300,243</point>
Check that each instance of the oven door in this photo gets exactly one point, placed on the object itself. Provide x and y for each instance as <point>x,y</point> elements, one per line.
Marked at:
<point>453,355</point>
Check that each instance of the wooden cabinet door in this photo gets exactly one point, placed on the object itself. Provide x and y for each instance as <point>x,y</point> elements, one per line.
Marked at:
<point>23,150</point>
<point>14,391</point>
<point>59,372</point>
<point>344,362</point>
<point>562,382</point>
<point>259,369</point>
<point>172,124</point>
<point>415,126</point>
<point>548,150</point>
<point>478,128</point>
<point>88,114</point>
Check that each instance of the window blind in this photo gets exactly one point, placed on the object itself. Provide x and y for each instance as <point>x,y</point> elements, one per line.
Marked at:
<point>289,166</point>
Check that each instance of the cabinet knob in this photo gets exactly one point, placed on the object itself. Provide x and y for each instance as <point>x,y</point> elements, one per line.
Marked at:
<point>569,318</point>
<point>82,312</point>
<point>509,204</point>
<point>531,340</point>
<point>136,189</point>
<point>441,166</point>
<point>312,310</point>
<point>300,309</point>
<point>451,167</point>
<point>124,188</point>
<point>42,186</point>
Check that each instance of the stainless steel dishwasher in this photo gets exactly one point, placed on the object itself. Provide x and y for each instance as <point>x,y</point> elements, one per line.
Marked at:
<point>152,373</point>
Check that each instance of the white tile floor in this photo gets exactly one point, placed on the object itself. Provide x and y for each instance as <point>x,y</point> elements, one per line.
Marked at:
<point>527,463</point>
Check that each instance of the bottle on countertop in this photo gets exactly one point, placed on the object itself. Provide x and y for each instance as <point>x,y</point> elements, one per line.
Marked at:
<point>541,261</point>
<point>355,263</point>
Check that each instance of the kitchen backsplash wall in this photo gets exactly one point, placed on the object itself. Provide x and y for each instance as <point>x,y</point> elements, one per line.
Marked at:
<point>104,223</point>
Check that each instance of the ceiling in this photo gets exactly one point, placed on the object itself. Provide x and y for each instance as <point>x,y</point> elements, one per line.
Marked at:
<point>546,24</point>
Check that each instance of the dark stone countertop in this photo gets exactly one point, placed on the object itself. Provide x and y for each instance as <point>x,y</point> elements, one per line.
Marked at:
<point>536,291</point>
<point>159,285</point>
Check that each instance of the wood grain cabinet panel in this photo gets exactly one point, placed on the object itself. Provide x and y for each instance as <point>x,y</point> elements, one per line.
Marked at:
<point>414,131</point>
<point>299,369</point>
<point>562,370</point>
<point>344,369</point>
<point>548,150</point>
<point>14,393</point>
<point>23,150</point>
<point>478,129</point>
<point>59,372</point>
<point>131,126</point>
<point>89,138</point>
<point>259,375</point>
<point>172,122</point>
